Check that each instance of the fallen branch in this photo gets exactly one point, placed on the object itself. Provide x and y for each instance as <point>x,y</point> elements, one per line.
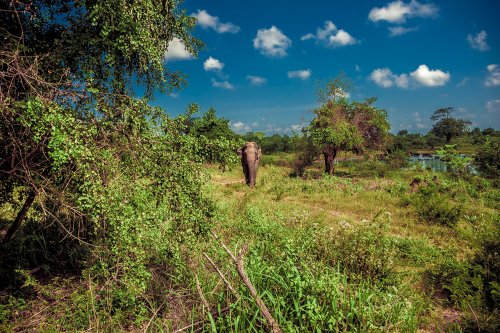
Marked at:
<point>200,292</point>
<point>239,262</point>
<point>226,282</point>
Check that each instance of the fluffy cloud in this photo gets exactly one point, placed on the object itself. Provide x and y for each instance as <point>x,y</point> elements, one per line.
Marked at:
<point>222,84</point>
<point>493,106</point>
<point>399,30</point>
<point>385,78</point>
<point>240,127</point>
<point>256,80</point>
<point>430,78</point>
<point>478,41</point>
<point>206,21</point>
<point>176,50</point>
<point>271,42</point>
<point>330,36</point>
<point>212,64</point>
<point>303,74</point>
<point>493,78</point>
<point>398,11</point>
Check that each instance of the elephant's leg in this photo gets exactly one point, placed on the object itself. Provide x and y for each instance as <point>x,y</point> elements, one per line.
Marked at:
<point>246,171</point>
<point>254,175</point>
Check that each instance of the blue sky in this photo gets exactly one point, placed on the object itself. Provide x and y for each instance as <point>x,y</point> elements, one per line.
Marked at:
<point>264,60</point>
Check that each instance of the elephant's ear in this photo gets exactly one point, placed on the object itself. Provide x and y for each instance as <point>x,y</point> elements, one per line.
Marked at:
<point>259,152</point>
<point>240,152</point>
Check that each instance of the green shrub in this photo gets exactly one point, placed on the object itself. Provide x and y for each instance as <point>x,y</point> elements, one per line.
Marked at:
<point>433,203</point>
<point>362,250</point>
<point>487,158</point>
<point>398,159</point>
<point>474,285</point>
<point>370,169</point>
<point>456,163</point>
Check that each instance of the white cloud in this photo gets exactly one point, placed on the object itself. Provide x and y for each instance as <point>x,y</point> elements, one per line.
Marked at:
<point>240,127</point>
<point>493,78</point>
<point>205,20</point>
<point>256,80</point>
<point>402,81</point>
<point>430,78</point>
<point>384,77</point>
<point>302,74</point>
<point>493,106</point>
<point>212,64</point>
<point>222,84</point>
<point>400,30</point>
<point>357,68</point>
<point>271,42</point>
<point>478,41</point>
<point>398,11</point>
<point>176,50</point>
<point>330,36</point>
<point>341,38</point>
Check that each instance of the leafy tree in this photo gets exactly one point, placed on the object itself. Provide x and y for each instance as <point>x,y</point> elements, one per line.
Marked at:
<point>489,131</point>
<point>341,125</point>
<point>117,176</point>
<point>217,141</point>
<point>403,133</point>
<point>446,126</point>
<point>254,136</point>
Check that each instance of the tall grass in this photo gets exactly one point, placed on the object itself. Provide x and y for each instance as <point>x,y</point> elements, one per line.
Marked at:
<point>350,253</point>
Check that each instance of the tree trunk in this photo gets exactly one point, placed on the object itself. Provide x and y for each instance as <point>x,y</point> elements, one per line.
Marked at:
<point>329,156</point>
<point>20,216</point>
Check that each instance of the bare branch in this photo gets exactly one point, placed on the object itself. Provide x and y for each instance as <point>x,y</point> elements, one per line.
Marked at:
<point>240,268</point>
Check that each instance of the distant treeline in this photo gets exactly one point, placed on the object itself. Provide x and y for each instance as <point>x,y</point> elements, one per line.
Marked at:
<point>406,141</point>
<point>403,140</point>
<point>275,143</point>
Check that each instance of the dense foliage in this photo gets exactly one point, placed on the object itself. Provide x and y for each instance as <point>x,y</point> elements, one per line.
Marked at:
<point>217,142</point>
<point>118,178</point>
<point>488,158</point>
<point>343,125</point>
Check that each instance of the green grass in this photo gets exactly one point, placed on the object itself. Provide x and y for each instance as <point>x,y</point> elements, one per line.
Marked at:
<point>349,253</point>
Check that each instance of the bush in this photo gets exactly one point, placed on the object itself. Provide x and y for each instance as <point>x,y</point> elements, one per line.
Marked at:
<point>398,159</point>
<point>362,250</point>
<point>456,163</point>
<point>433,204</point>
<point>487,159</point>
<point>473,284</point>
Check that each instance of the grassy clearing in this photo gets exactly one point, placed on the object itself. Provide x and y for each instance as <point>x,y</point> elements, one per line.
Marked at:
<point>356,252</point>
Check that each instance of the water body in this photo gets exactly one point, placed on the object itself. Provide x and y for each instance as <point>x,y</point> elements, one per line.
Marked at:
<point>434,163</point>
<point>428,161</point>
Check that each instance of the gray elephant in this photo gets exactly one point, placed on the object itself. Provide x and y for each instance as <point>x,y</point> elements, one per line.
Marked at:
<point>250,157</point>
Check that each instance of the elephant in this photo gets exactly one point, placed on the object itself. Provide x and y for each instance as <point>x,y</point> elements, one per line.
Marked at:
<point>250,157</point>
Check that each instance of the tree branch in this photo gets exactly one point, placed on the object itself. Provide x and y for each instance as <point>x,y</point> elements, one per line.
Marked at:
<point>239,262</point>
